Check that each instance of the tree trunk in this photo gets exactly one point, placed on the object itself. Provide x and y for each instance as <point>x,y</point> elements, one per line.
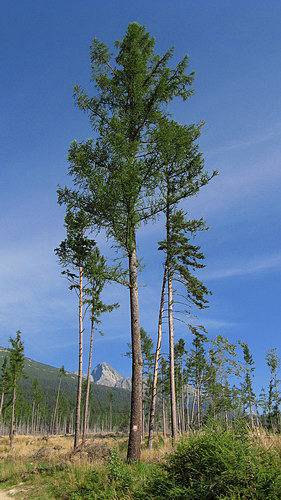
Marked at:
<point>156,364</point>
<point>193,405</point>
<point>199,405</point>
<point>171,320</point>
<point>80,364</point>
<point>142,413</point>
<point>172,358</point>
<point>33,418</point>
<point>183,425</point>
<point>110,416</point>
<point>164,416</point>
<point>134,444</point>
<point>1,405</point>
<point>86,412</point>
<point>187,411</point>
<point>56,407</point>
<point>12,423</point>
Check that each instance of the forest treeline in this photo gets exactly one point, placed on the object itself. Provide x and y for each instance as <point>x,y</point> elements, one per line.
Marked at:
<point>214,381</point>
<point>45,401</point>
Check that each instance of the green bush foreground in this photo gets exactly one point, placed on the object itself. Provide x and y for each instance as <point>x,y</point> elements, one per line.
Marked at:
<point>218,465</point>
<point>214,464</point>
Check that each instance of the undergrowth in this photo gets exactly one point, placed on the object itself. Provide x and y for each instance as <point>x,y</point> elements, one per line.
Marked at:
<point>217,464</point>
<point>212,464</point>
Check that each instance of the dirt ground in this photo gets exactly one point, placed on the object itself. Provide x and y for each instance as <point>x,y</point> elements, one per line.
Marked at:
<point>4,496</point>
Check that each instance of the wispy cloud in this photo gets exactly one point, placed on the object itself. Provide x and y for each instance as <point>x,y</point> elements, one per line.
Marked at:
<point>238,186</point>
<point>251,141</point>
<point>212,323</point>
<point>254,266</point>
<point>112,337</point>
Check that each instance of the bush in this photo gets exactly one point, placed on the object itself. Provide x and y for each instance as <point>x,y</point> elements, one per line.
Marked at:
<point>217,465</point>
<point>119,474</point>
<point>114,481</point>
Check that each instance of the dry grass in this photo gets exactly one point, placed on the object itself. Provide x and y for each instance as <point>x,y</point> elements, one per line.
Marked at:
<point>60,448</point>
<point>34,462</point>
<point>57,446</point>
<point>158,451</point>
<point>266,439</point>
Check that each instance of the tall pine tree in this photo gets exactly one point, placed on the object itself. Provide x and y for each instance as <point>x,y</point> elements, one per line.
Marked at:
<point>117,175</point>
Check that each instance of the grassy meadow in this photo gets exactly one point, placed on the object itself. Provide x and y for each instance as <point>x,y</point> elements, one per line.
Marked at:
<point>209,464</point>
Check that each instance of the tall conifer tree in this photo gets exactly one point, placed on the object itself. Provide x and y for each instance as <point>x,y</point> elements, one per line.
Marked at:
<point>16,366</point>
<point>117,174</point>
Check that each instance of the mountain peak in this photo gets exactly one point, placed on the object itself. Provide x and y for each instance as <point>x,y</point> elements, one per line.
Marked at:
<point>104,374</point>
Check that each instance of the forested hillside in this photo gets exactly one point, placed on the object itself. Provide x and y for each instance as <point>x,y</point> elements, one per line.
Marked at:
<point>38,394</point>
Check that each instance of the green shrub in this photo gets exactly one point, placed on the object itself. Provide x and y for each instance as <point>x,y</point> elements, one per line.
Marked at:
<point>119,473</point>
<point>217,465</point>
<point>113,481</point>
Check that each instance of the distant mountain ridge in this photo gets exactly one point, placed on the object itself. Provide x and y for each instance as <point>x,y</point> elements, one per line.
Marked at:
<point>104,374</point>
<point>48,377</point>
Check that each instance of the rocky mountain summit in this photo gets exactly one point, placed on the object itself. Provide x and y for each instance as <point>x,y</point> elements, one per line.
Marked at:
<point>104,374</point>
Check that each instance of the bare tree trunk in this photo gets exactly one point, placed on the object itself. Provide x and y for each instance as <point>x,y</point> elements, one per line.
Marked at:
<point>156,363</point>
<point>80,363</point>
<point>164,416</point>
<point>143,417</point>
<point>187,411</point>
<point>86,412</point>
<point>183,426</point>
<point>199,405</point>
<point>251,413</point>
<point>1,408</point>
<point>134,444</point>
<point>110,416</point>
<point>172,358</point>
<point>33,417</point>
<point>171,320</point>
<point>56,407</point>
<point>12,423</point>
<point>193,405</point>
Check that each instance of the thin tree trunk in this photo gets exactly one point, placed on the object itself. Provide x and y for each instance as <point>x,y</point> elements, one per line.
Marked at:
<point>199,405</point>
<point>171,321</point>
<point>56,407</point>
<point>250,405</point>
<point>187,411</point>
<point>12,423</point>
<point>164,416</point>
<point>33,417</point>
<point>142,418</point>
<point>193,405</point>
<point>1,407</point>
<point>179,421</point>
<point>156,364</point>
<point>172,358</point>
<point>80,363</point>
<point>183,425</point>
<point>134,444</point>
<point>86,412</point>
<point>110,416</point>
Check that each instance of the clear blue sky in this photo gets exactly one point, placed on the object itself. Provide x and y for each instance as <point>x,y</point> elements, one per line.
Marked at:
<point>234,48</point>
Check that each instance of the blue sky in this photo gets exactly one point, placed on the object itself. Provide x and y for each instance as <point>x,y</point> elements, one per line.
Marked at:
<point>234,48</point>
